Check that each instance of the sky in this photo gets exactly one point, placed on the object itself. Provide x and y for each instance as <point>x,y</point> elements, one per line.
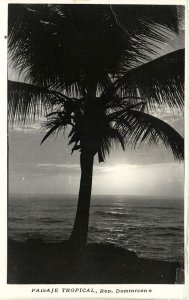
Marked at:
<point>51,169</point>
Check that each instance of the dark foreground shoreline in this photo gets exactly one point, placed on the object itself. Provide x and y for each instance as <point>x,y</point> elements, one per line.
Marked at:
<point>36,262</point>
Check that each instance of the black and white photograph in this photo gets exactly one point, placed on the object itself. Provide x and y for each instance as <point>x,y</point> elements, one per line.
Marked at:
<point>95,114</point>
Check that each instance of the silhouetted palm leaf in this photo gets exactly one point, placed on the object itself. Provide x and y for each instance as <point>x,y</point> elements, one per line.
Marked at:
<point>123,126</point>
<point>55,45</point>
<point>160,81</point>
<point>25,101</point>
<point>147,128</point>
<point>50,132</point>
<point>84,64</point>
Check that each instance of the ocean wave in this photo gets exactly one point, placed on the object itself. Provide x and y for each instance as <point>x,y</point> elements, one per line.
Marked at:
<point>155,228</point>
<point>157,207</point>
<point>112,213</point>
<point>167,234</point>
<point>15,219</point>
<point>94,229</point>
<point>49,221</point>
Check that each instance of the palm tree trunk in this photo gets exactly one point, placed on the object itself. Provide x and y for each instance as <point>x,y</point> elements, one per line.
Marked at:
<point>78,237</point>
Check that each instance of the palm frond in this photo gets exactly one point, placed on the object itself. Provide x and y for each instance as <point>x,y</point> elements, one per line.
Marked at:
<point>148,26</point>
<point>75,137</point>
<point>136,18</point>
<point>160,81</point>
<point>55,123</point>
<point>27,101</point>
<point>56,45</point>
<point>147,128</point>
<point>105,147</point>
<point>70,54</point>
<point>51,131</point>
<point>115,135</point>
<point>109,136</point>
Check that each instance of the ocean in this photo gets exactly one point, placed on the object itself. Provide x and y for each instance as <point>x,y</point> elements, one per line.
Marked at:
<point>152,227</point>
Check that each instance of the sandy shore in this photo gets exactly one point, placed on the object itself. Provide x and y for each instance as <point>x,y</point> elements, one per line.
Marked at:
<point>37,262</point>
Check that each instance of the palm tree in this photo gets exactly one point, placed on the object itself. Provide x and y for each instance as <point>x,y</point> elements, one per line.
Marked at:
<point>90,69</point>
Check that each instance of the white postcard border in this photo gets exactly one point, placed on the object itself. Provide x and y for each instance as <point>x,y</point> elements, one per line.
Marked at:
<point>11,291</point>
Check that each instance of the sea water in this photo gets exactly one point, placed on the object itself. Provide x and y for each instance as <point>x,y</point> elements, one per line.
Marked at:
<point>152,227</point>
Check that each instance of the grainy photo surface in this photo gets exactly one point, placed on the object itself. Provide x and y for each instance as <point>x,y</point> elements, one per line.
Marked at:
<point>96,149</point>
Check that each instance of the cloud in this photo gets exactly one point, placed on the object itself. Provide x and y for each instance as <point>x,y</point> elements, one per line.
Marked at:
<point>26,128</point>
<point>109,168</point>
<point>74,167</point>
<point>152,179</point>
<point>157,165</point>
